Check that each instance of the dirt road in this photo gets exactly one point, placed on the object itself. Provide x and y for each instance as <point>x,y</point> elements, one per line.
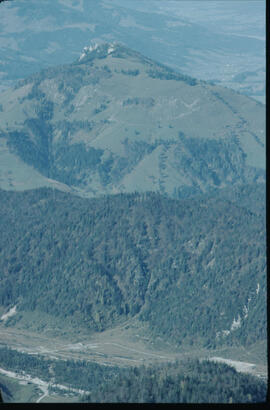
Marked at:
<point>41,384</point>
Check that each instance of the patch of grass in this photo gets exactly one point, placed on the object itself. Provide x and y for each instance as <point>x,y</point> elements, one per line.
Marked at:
<point>65,398</point>
<point>14,392</point>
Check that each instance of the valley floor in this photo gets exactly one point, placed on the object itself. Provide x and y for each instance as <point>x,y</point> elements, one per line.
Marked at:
<point>121,347</point>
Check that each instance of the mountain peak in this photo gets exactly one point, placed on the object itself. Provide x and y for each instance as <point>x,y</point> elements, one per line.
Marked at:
<point>98,50</point>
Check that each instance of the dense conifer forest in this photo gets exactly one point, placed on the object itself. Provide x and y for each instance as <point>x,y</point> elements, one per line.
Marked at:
<point>100,261</point>
<point>190,381</point>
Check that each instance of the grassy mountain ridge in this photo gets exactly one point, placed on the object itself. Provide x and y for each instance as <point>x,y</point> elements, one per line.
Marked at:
<point>100,261</point>
<point>116,121</point>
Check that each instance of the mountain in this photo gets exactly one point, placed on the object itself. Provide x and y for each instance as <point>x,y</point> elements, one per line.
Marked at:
<point>116,121</point>
<point>193,271</point>
<point>132,202</point>
<point>222,42</point>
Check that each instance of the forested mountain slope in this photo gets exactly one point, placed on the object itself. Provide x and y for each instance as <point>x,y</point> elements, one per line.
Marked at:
<point>193,270</point>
